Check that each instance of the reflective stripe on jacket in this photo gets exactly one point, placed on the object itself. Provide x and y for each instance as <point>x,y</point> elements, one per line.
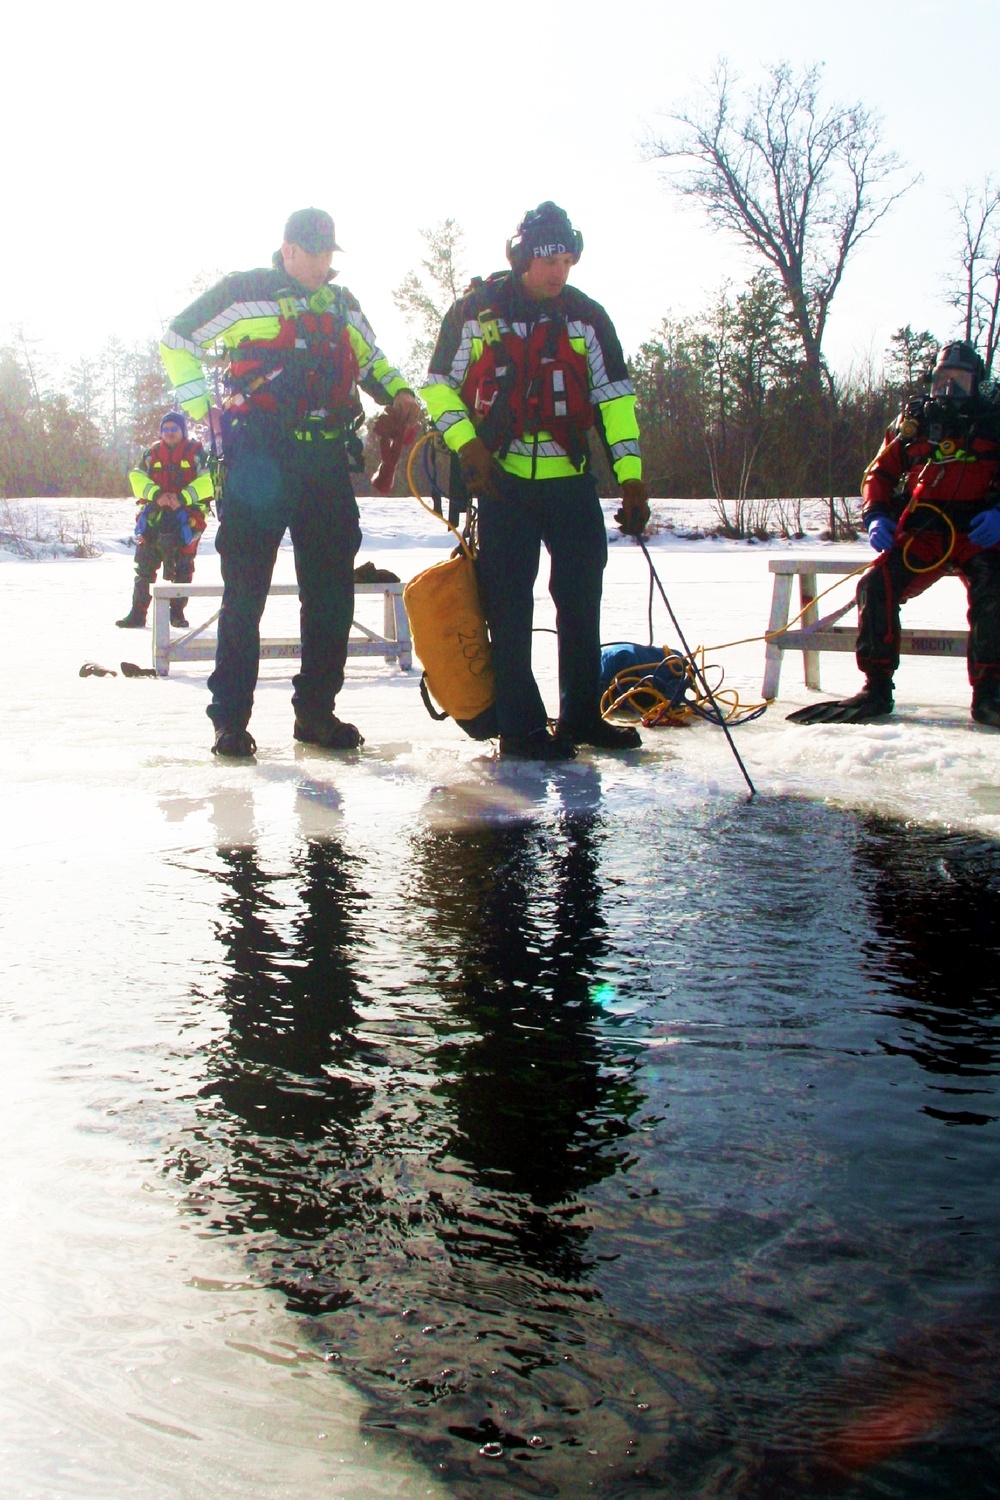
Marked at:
<point>260,310</point>
<point>458,362</point>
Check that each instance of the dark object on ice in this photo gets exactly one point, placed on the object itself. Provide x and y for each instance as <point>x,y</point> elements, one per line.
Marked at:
<point>600,734</point>
<point>986,704</point>
<point>368,573</point>
<point>540,745</point>
<point>873,702</point>
<point>129,669</point>
<point>91,669</point>
<point>327,731</point>
<point>134,620</point>
<point>234,742</point>
<point>177,618</point>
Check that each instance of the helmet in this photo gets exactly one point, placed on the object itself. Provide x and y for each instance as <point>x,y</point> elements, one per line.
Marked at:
<point>545,230</point>
<point>957,372</point>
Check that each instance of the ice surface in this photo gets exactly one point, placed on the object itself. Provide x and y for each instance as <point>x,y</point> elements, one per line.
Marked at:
<point>928,762</point>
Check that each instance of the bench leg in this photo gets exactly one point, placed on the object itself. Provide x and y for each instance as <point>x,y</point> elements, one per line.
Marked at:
<point>402,633</point>
<point>780,600</point>
<point>810,659</point>
<point>161,635</point>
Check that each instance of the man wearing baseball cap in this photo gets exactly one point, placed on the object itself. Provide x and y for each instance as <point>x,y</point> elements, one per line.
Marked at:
<point>294,349</point>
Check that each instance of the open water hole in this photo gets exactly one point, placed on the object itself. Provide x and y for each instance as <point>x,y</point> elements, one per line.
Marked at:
<point>603,1147</point>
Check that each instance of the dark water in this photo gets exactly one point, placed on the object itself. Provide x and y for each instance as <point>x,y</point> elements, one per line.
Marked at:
<point>645,1153</point>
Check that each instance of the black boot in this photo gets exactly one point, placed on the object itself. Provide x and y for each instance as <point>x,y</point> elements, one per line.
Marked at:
<point>539,745</point>
<point>327,731</point>
<point>986,703</point>
<point>134,620</point>
<point>873,702</point>
<point>177,614</point>
<point>234,742</point>
<point>600,734</point>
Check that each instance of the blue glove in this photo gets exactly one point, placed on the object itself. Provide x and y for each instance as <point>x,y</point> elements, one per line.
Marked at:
<point>985,529</point>
<point>882,533</point>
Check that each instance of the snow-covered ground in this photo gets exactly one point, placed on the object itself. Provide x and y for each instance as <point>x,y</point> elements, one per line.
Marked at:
<point>929,762</point>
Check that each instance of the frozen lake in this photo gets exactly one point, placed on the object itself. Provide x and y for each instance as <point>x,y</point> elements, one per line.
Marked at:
<point>406,1124</point>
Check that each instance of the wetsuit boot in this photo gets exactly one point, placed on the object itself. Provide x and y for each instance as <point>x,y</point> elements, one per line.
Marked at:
<point>873,702</point>
<point>134,620</point>
<point>986,703</point>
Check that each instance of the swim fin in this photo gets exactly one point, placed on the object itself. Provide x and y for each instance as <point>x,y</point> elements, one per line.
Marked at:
<point>873,702</point>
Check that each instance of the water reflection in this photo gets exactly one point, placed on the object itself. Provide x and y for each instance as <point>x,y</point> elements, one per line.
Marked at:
<point>555,1254</point>
<point>935,900</point>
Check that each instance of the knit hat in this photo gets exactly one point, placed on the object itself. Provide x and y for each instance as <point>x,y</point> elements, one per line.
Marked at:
<point>543,231</point>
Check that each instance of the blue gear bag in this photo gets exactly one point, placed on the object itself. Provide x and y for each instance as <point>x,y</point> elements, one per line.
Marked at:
<point>667,677</point>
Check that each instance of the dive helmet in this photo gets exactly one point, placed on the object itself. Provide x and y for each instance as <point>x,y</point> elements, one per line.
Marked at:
<point>957,372</point>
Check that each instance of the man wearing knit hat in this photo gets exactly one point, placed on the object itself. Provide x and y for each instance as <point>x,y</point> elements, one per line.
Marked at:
<point>175,493</point>
<point>294,350</point>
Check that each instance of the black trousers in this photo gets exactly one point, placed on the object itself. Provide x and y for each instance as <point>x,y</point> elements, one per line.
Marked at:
<point>566,515</point>
<point>274,484</point>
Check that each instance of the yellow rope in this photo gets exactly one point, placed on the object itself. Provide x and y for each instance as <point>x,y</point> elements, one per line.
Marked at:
<point>633,689</point>
<point>772,635</point>
<point>466,546</point>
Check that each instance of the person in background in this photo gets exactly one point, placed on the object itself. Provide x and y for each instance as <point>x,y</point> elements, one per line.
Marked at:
<point>930,505</point>
<point>524,367</point>
<point>295,349</point>
<point>175,491</point>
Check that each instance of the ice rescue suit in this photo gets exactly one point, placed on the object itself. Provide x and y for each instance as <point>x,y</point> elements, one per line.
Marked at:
<point>169,537</point>
<point>292,363</point>
<point>569,374</point>
<point>948,458</point>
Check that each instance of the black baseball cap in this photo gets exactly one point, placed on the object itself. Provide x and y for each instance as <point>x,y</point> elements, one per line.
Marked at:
<point>312,230</point>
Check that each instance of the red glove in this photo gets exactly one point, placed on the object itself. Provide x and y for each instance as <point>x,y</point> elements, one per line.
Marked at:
<point>393,437</point>
<point>633,517</point>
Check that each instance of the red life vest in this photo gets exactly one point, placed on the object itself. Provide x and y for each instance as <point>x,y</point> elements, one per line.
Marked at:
<point>526,385</point>
<point>173,468</point>
<point>275,375</point>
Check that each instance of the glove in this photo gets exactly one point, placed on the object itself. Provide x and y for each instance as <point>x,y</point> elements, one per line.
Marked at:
<point>882,533</point>
<point>395,428</point>
<point>985,529</point>
<point>479,471</point>
<point>633,517</point>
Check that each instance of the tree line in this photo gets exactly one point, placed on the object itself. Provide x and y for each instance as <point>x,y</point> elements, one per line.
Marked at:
<point>736,403</point>
<point>80,439</point>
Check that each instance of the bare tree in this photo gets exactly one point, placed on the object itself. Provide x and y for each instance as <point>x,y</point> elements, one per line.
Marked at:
<point>976,287</point>
<point>799,183</point>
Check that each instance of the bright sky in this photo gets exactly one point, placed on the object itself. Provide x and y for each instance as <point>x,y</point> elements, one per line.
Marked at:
<point>148,145</point>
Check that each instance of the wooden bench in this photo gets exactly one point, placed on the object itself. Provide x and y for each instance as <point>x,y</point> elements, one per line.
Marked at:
<point>814,634</point>
<point>194,644</point>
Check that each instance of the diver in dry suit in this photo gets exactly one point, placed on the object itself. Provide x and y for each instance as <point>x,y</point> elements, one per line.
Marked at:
<point>524,366</point>
<point>931,504</point>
